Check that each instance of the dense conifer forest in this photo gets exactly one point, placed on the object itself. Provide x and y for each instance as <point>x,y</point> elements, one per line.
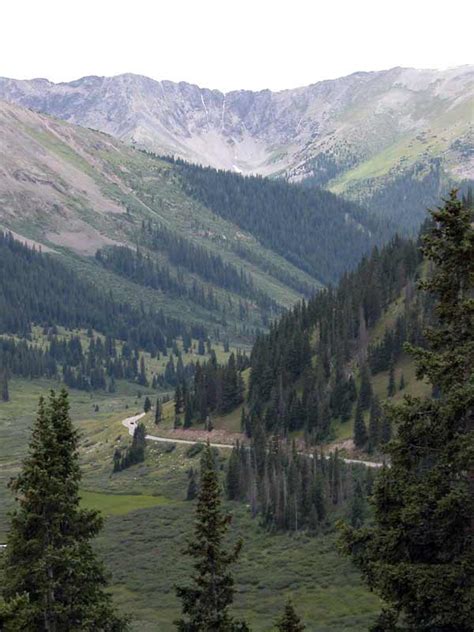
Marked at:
<point>195,259</point>
<point>36,288</point>
<point>303,371</point>
<point>288,218</point>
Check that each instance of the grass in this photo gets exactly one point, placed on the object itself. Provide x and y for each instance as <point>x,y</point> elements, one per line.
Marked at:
<point>119,504</point>
<point>417,388</point>
<point>148,522</point>
<point>146,566</point>
<point>149,190</point>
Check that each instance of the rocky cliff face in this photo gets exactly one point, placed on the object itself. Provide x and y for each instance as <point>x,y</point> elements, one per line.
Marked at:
<point>339,132</point>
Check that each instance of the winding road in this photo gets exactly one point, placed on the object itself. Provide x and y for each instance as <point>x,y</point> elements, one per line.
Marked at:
<point>131,422</point>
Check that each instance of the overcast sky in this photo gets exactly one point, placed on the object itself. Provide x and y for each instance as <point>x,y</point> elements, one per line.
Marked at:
<point>230,44</point>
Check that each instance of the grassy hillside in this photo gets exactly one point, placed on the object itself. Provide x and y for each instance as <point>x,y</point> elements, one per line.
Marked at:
<point>73,191</point>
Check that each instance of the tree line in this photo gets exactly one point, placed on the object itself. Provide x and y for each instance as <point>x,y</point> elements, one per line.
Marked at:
<point>303,371</point>
<point>37,288</point>
<point>289,219</point>
<point>296,492</point>
<point>417,553</point>
<point>214,388</point>
<point>209,266</point>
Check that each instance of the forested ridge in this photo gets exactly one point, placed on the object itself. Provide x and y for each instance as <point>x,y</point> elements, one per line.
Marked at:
<point>303,371</point>
<point>197,260</point>
<point>141,268</point>
<point>318,232</point>
<point>36,288</point>
<point>311,369</point>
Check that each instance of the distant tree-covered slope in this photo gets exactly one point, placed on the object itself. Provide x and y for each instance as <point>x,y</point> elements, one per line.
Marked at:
<point>36,288</point>
<point>313,229</point>
<point>253,246</point>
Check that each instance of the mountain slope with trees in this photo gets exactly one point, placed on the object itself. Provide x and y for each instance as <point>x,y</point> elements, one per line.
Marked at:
<point>419,554</point>
<point>370,135</point>
<point>74,192</point>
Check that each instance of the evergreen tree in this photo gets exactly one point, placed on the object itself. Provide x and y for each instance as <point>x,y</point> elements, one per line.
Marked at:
<point>117,459</point>
<point>365,392</point>
<point>188,412</point>
<point>357,508</point>
<point>419,555</point>
<point>178,400</point>
<point>232,477</point>
<point>147,404</point>
<point>386,431</point>
<point>206,602</point>
<point>142,375</point>
<point>158,411</point>
<point>52,580</point>
<point>375,421</point>
<point>192,490</point>
<point>201,347</point>
<point>290,621</point>
<point>4,386</point>
<point>360,431</point>
<point>401,386</point>
<point>391,388</point>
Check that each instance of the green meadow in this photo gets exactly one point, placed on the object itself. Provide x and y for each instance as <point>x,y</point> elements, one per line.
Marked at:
<point>147,523</point>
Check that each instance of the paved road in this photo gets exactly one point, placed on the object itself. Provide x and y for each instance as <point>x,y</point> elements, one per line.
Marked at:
<point>131,422</point>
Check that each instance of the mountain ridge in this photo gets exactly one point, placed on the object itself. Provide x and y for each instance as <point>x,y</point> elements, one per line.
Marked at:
<point>355,135</point>
<point>77,191</point>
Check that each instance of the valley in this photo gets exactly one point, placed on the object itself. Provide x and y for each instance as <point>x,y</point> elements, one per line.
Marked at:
<point>236,337</point>
<point>148,521</point>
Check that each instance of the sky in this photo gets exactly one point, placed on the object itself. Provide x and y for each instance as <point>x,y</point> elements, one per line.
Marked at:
<point>230,44</point>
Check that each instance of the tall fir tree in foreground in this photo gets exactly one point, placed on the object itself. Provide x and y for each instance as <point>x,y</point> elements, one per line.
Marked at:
<point>419,555</point>
<point>52,580</point>
<point>205,604</point>
<point>290,621</point>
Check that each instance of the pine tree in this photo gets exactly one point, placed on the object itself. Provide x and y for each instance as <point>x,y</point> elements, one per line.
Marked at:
<point>192,490</point>
<point>375,420</point>
<point>357,509</point>
<point>290,621</point>
<point>386,429</point>
<point>188,412</point>
<point>117,460</point>
<point>4,386</point>
<point>233,475</point>
<point>158,411</point>
<point>142,375</point>
<point>419,555</point>
<point>52,580</point>
<point>147,404</point>
<point>391,388</point>
<point>136,452</point>
<point>365,392</point>
<point>360,431</point>
<point>201,347</point>
<point>206,602</point>
<point>401,386</point>
<point>178,400</point>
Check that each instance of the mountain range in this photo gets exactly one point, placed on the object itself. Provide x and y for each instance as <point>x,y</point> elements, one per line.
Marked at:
<point>375,137</point>
<point>219,250</point>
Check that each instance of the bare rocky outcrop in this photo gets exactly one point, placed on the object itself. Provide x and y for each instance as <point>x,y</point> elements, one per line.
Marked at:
<point>327,129</point>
